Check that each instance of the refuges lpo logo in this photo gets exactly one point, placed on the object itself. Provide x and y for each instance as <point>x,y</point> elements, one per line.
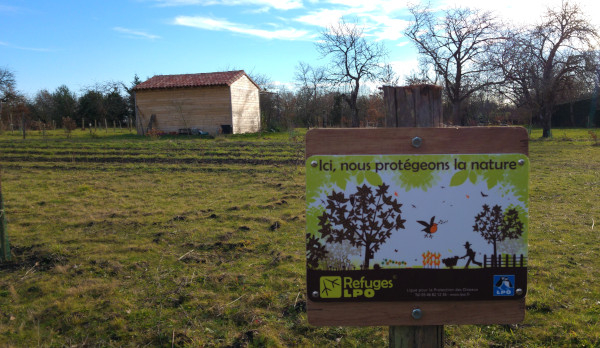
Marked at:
<point>337,287</point>
<point>331,287</point>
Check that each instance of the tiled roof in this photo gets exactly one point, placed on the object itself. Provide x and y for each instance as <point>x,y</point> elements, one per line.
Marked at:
<point>225,78</point>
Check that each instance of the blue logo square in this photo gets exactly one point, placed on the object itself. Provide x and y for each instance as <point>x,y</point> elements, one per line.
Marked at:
<point>504,285</point>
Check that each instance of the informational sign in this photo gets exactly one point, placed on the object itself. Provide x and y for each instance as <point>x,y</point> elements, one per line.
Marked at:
<point>427,227</point>
<point>427,218</point>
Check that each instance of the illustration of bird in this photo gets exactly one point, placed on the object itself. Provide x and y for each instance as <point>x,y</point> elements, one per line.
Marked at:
<point>430,228</point>
<point>483,194</point>
<point>504,283</point>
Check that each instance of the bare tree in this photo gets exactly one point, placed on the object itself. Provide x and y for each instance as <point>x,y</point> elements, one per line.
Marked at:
<point>354,60</point>
<point>12,102</point>
<point>42,106</point>
<point>7,81</point>
<point>455,47</point>
<point>311,86</point>
<point>541,62</point>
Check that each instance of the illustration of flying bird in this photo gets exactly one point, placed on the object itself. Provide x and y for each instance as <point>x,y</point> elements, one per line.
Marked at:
<point>430,228</point>
<point>483,194</point>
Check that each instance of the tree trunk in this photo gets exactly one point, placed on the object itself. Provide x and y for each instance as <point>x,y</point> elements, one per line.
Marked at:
<point>355,120</point>
<point>367,256</point>
<point>547,123</point>
<point>495,262</point>
<point>456,117</point>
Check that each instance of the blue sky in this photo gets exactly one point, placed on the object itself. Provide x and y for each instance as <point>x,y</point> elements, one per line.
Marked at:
<point>81,43</point>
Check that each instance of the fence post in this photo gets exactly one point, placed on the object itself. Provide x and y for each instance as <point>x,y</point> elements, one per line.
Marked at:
<point>414,106</point>
<point>521,260</point>
<point>4,245</point>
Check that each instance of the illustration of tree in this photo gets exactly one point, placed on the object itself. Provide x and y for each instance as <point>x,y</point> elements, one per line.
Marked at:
<point>495,226</point>
<point>365,219</point>
<point>315,251</point>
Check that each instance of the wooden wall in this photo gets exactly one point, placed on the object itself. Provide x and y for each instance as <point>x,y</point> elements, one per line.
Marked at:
<point>205,108</point>
<point>245,106</point>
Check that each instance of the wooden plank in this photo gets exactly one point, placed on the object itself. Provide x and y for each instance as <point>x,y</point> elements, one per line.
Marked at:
<point>399,313</point>
<point>405,107</point>
<point>457,140</point>
<point>390,105</point>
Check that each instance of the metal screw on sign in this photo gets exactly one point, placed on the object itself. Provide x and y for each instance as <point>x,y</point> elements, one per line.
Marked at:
<point>519,291</point>
<point>521,162</point>
<point>315,294</point>
<point>417,313</point>
<point>416,142</point>
<point>313,163</point>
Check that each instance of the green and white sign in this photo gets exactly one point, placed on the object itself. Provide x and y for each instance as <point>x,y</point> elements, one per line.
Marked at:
<point>406,227</point>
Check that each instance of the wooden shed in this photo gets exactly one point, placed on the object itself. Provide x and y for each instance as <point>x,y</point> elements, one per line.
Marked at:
<point>219,102</point>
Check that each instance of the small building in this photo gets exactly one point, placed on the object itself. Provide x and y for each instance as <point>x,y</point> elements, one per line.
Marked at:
<point>219,102</point>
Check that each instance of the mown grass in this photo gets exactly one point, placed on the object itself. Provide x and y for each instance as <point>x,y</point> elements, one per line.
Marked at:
<point>121,240</point>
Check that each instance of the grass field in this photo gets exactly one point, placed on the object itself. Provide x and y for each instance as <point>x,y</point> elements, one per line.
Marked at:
<point>120,240</point>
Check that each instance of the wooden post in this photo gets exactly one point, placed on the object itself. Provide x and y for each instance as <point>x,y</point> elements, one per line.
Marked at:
<point>414,106</point>
<point>416,336</point>
<point>4,246</point>
<point>23,124</point>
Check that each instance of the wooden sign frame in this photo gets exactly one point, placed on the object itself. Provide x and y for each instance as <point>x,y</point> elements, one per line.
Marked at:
<point>468,140</point>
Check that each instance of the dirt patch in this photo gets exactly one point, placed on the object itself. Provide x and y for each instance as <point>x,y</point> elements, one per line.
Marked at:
<point>35,255</point>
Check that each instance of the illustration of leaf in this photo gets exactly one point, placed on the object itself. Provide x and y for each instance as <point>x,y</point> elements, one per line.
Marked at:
<point>472,177</point>
<point>373,178</point>
<point>341,180</point>
<point>459,178</point>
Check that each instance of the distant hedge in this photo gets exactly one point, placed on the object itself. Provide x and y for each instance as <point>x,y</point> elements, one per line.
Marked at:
<point>577,114</point>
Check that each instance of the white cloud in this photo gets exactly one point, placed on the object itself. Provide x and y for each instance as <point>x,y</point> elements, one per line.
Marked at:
<point>224,25</point>
<point>387,28</point>
<point>380,18</point>
<point>323,17</point>
<point>135,33</point>
<point>403,68</point>
<point>276,4</point>
<point>22,48</point>
<point>522,12</point>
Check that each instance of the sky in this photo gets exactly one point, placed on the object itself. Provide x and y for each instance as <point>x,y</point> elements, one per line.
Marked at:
<point>82,43</point>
